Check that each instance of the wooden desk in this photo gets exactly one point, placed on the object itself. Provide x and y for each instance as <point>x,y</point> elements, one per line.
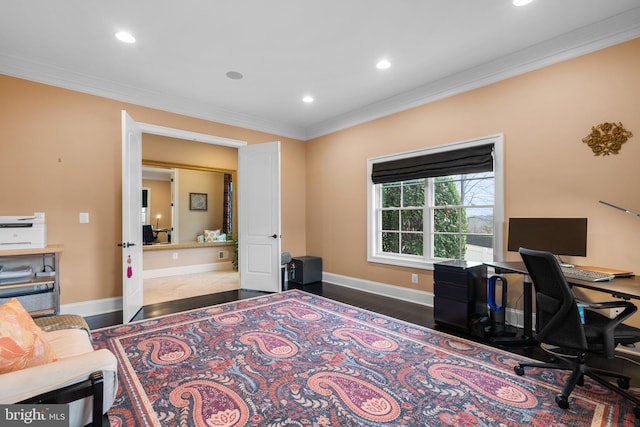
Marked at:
<point>622,287</point>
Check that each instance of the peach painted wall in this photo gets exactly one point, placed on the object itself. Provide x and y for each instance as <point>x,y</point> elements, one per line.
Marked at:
<point>61,154</point>
<point>193,223</point>
<point>172,150</point>
<point>549,171</point>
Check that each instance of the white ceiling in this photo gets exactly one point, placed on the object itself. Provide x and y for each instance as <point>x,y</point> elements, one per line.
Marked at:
<point>290,48</point>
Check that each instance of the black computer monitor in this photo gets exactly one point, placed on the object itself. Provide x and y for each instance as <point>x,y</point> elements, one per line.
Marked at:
<point>560,236</point>
<point>147,234</point>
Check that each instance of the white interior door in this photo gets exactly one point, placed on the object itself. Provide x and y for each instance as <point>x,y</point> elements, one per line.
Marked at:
<point>259,216</point>
<point>132,287</point>
<point>132,292</point>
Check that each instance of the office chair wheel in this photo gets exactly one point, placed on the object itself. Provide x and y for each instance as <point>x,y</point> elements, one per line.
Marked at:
<point>519,370</point>
<point>623,383</point>
<point>562,401</point>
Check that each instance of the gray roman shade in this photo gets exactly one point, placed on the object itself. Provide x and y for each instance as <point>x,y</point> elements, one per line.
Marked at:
<point>466,160</point>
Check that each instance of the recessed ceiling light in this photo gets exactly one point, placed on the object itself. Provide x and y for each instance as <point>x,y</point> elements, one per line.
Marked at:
<point>308,99</point>
<point>521,2</point>
<point>125,37</point>
<point>234,75</point>
<point>383,64</point>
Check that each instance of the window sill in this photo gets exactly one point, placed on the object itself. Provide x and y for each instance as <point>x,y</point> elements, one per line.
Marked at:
<point>403,262</point>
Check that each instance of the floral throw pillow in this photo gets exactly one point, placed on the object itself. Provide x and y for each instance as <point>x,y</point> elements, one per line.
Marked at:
<point>22,342</point>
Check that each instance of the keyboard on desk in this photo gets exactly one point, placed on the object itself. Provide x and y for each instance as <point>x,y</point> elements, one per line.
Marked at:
<point>586,275</point>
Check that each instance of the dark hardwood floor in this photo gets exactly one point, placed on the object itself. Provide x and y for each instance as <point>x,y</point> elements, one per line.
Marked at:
<point>403,310</point>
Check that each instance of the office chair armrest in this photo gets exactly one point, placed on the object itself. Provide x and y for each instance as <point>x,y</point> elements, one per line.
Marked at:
<point>608,304</point>
<point>602,305</point>
<point>629,308</point>
<point>608,331</point>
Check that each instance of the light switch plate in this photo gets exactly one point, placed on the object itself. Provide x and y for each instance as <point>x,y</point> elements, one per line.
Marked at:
<point>84,217</point>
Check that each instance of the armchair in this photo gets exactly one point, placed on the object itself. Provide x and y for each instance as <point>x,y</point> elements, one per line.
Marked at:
<point>80,376</point>
<point>561,331</point>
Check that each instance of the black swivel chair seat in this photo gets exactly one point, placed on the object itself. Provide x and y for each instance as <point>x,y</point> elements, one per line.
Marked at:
<point>560,330</point>
<point>147,235</point>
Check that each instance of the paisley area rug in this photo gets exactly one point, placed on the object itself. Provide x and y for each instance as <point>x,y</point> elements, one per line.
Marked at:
<point>296,359</point>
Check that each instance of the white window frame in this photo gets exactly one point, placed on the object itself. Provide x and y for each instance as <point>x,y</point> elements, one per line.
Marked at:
<point>426,262</point>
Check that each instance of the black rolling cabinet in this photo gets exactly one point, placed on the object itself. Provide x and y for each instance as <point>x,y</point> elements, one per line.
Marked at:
<point>305,269</point>
<point>460,289</point>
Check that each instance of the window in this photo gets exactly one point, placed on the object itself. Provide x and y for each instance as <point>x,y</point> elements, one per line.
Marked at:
<point>401,217</point>
<point>439,203</point>
<point>462,211</point>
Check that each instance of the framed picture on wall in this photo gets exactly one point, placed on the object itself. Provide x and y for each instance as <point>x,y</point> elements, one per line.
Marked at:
<point>198,201</point>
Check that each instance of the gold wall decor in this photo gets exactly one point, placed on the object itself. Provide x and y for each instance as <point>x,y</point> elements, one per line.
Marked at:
<point>607,138</point>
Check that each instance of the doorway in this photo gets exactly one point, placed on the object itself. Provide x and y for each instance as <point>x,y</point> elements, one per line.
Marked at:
<point>259,256</point>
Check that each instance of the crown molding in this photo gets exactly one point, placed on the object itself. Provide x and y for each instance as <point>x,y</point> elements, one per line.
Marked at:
<point>587,39</point>
<point>69,79</point>
<point>609,32</point>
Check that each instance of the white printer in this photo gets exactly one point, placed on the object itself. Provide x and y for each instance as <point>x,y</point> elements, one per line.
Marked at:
<point>23,232</point>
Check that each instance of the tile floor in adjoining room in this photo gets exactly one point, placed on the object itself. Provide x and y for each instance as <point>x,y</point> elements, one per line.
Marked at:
<point>170,288</point>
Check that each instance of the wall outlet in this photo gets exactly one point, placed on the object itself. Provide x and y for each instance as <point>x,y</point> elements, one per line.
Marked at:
<point>223,254</point>
<point>175,255</point>
<point>414,278</point>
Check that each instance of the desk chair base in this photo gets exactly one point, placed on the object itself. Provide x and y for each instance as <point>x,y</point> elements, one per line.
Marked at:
<point>579,369</point>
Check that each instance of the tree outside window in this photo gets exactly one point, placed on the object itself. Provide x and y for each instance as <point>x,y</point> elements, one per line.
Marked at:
<point>462,213</point>
<point>449,222</point>
<point>402,217</point>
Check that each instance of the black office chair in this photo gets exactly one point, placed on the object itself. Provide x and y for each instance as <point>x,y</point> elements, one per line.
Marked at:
<point>560,330</point>
<point>148,235</point>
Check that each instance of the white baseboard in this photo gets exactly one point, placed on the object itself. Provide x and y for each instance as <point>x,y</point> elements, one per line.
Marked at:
<point>515,317</point>
<point>108,305</point>
<point>404,294</point>
<point>512,316</point>
<point>93,307</point>
<point>629,351</point>
<point>187,269</point>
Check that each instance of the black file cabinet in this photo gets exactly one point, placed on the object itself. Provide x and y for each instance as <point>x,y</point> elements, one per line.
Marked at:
<point>460,289</point>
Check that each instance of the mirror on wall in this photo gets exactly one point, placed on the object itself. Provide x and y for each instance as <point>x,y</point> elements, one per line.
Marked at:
<point>185,203</point>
